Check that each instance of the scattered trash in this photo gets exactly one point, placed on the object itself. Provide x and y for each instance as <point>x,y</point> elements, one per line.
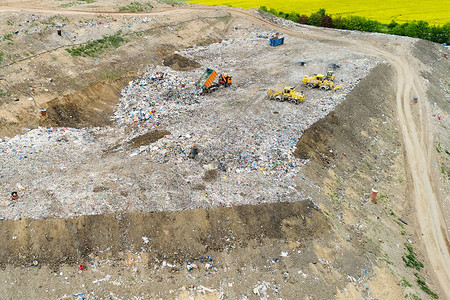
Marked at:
<point>373,196</point>
<point>334,66</point>
<point>402,221</point>
<point>194,152</point>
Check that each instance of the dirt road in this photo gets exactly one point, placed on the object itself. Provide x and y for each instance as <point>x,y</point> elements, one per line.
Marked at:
<point>417,139</point>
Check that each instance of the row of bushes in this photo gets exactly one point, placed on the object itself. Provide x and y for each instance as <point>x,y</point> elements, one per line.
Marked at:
<point>416,29</point>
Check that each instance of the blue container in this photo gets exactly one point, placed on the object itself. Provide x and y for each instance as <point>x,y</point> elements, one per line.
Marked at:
<point>276,42</point>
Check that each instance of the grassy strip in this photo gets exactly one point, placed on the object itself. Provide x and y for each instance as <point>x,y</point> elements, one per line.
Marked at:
<point>136,7</point>
<point>415,29</point>
<point>170,2</point>
<point>4,93</point>
<point>7,36</point>
<point>410,259</point>
<point>426,289</point>
<point>97,47</point>
<point>405,283</point>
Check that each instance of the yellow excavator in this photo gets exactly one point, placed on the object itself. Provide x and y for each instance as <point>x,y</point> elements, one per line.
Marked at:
<point>287,94</point>
<point>323,82</point>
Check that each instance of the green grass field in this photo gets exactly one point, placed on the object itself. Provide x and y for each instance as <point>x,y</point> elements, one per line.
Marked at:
<point>433,11</point>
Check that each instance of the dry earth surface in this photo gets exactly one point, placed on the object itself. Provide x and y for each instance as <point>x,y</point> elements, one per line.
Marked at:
<point>279,195</point>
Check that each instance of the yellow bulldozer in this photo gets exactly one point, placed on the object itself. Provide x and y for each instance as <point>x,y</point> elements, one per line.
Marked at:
<point>287,94</point>
<point>321,81</point>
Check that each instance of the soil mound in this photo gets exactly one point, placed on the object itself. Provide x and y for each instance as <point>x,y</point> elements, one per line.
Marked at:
<point>180,63</point>
<point>147,138</point>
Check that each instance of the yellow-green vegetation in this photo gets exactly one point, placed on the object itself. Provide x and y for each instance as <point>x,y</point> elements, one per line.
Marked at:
<point>432,11</point>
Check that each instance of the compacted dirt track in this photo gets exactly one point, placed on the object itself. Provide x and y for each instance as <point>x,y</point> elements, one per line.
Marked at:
<point>417,139</point>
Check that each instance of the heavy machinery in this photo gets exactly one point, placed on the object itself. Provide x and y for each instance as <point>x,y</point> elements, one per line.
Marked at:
<point>321,81</point>
<point>205,84</point>
<point>287,94</point>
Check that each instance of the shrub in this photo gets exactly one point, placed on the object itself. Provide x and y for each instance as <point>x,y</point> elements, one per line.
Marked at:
<point>392,24</point>
<point>303,19</point>
<point>417,29</point>
<point>338,23</point>
<point>316,18</point>
<point>326,21</point>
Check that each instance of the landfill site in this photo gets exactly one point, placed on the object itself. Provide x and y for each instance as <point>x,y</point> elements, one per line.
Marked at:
<point>218,153</point>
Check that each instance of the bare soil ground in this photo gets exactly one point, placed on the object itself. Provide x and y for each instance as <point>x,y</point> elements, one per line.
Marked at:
<point>329,241</point>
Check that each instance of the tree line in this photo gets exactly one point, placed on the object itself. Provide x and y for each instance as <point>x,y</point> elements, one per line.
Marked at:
<point>415,29</point>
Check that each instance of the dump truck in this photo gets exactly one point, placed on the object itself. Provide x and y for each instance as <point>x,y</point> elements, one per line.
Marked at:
<point>206,84</point>
<point>321,81</point>
<point>287,94</point>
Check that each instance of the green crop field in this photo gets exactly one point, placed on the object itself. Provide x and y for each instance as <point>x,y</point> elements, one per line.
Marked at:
<point>433,11</point>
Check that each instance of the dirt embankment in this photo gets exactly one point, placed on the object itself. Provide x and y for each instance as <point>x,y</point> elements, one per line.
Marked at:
<point>92,106</point>
<point>57,241</point>
<point>356,149</point>
<point>349,128</point>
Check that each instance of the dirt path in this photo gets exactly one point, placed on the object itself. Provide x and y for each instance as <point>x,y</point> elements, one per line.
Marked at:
<point>417,139</point>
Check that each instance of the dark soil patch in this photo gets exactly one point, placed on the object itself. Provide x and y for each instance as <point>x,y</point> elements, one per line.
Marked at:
<point>149,137</point>
<point>210,175</point>
<point>180,63</point>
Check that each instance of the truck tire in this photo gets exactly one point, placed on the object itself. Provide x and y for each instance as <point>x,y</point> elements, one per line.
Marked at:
<point>324,87</point>
<point>278,98</point>
<point>310,85</point>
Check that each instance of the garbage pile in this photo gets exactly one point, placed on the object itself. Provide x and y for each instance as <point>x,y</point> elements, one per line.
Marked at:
<point>160,94</point>
<point>243,142</point>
